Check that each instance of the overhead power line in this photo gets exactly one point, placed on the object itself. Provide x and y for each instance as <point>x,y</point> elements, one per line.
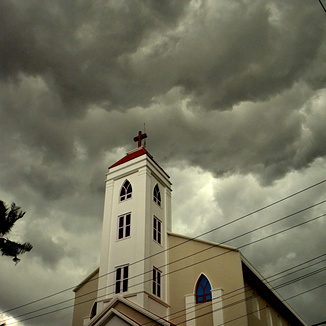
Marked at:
<point>196,253</point>
<point>226,294</point>
<point>322,5</point>
<point>229,305</point>
<point>172,271</point>
<point>308,261</point>
<point>267,206</point>
<point>247,314</point>
<point>182,243</point>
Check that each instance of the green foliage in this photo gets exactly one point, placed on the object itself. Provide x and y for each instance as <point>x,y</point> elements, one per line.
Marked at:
<point>8,217</point>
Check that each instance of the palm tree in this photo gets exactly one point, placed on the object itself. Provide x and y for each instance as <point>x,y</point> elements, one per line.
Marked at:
<point>8,217</point>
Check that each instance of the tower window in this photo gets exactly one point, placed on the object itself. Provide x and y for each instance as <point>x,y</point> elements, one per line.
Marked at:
<point>126,191</point>
<point>157,282</point>
<point>157,195</point>
<point>124,226</point>
<point>203,290</point>
<point>121,279</point>
<point>157,226</point>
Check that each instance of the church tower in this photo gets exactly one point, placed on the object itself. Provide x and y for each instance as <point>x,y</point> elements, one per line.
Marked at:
<point>137,217</point>
<point>208,283</point>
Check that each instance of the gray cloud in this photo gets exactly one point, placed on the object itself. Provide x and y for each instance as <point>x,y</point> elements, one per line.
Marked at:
<point>123,56</point>
<point>233,97</point>
<point>77,48</point>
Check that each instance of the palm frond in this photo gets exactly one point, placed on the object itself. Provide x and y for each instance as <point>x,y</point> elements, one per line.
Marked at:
<point>8,219</point>
<point>11,248</point>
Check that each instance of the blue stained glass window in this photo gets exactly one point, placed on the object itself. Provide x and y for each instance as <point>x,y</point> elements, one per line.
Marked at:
<point>200,290</point>
<point>203,290</point>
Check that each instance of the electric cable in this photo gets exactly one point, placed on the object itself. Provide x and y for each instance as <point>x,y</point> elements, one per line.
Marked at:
<point>196,237</point>
<point>243,300</point>
<point>322,5</point>
<point>178,260</point>
<point>262,308</point>
<point>320,323</point>
<point>60,309</point>
<point>306,262</point>
<point>195,253</point>
<point>246,289</point>
<point>188,265</point>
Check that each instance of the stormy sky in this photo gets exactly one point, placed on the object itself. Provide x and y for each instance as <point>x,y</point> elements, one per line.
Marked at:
<point>233,96</point>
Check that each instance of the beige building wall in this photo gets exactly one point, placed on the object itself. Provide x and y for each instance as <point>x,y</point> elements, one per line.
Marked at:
<point>222,266</point>
<point>85,296</point>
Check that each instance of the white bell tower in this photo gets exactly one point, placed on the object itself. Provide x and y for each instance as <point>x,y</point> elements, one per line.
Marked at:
<point>137,217</point>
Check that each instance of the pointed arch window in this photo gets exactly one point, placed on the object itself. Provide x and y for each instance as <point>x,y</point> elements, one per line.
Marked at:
<point>203,290</point>
<point>93,310</point>
<point>126,191</point>
<point>157,195</point>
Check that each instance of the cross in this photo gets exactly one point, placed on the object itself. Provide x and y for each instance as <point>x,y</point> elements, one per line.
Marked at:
<point>140,137</point>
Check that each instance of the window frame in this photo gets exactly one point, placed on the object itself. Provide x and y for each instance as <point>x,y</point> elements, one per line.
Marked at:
<point>121,278</point>
<point>157,195</point>
<point>157,230</point>
<point>124,228</point>
<point>127,189</point>
<point>206,294</point>
<point>157,282</point>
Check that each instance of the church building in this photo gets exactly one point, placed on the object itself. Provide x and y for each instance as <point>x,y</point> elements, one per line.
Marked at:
<point>150,276</point>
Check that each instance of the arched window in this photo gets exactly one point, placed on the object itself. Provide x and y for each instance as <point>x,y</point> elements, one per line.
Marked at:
<point>203,290</point>
<point>126,191</point>
<point>157,195</point>
<point>93,310</point>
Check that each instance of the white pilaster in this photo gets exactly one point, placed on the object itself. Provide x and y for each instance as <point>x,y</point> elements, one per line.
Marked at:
<point>217,307</point>
<point>190,310</point>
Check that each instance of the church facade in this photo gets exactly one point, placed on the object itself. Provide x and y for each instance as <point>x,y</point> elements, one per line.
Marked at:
<point>151,276</point>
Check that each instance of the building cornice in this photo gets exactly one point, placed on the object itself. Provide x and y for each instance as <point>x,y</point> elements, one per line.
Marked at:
<point>211,243</point>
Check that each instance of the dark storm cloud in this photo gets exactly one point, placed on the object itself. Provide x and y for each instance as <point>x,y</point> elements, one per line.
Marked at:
<point>77,46</point>
<point>220,61</point>
<point>268,139</point>
<point>232,94</point>
<point>48,251</point>
<point>123,54</point>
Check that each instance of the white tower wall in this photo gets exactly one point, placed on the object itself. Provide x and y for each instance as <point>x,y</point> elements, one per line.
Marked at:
<point>139,250</point>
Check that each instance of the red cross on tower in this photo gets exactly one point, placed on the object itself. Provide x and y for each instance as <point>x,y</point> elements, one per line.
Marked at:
<point>139,138</point>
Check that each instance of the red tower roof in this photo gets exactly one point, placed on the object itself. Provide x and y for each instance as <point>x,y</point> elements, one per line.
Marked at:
<point>136,153</point>
<point>139,152</point>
